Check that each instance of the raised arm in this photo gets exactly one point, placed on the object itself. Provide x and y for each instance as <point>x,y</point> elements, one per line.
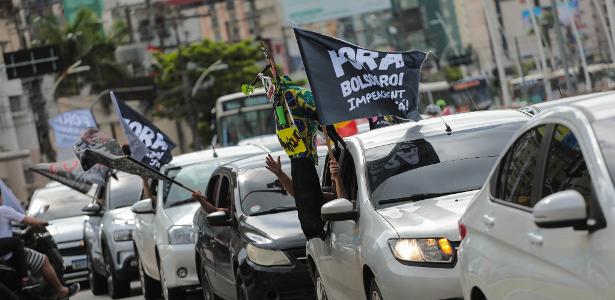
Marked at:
<point>208,207</point>
<point>336,177</point>
<point>275,167</point>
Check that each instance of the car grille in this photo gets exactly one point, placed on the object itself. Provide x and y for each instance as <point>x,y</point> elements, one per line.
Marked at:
<point>72,251</point>
<point>298,256</point>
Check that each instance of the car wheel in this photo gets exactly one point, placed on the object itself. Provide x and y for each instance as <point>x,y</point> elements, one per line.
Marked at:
<point>374,291</point>
<point>169,293</point>
<point>149,286</point>
<point>117,288</point>
<point>208,293</point>
<point>321,293</point>
<point>242,291</point>
<point>98,283</point>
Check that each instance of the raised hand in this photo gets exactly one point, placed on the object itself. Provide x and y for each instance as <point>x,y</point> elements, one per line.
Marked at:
<point>273,166</point>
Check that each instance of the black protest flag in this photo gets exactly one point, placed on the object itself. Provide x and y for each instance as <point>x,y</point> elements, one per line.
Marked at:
<point>147,142</point>
<point>92,138</point>
<point>350,82</point>
<point>71,174</point>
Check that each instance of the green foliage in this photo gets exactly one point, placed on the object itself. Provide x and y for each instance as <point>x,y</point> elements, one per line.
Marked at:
<point>244,60</point>
<point>84,39</point>
<point>452,73</point>
<point>247,89</point>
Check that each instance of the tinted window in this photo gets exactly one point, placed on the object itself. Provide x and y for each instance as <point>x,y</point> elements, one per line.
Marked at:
<point>436,165</point>
<point>225,193</point>
<point>566,168</point>
<point>261,192</point>
<point>195,176</point>
<point>63,202</point>
<point>517,169</point>
<point>605,132</point>
<point>125,191</point>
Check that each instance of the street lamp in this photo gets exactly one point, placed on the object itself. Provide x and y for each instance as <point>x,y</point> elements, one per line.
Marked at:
<point>216,66</point>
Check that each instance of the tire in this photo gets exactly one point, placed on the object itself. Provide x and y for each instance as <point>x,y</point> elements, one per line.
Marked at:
<point>117,288</point>
<point>169,293</point>
<point>319,286</point>
<point>208,293</point>
<point>374,291</point>
<point>149,286</point>
<point>242,291</point>
<point>98,283</point>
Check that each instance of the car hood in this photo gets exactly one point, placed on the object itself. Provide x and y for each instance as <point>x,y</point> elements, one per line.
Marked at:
<point>67,229</point>
<point>282,229</point>
<point>182,214</point>
<point>435,217</point>
<point>121,213</point>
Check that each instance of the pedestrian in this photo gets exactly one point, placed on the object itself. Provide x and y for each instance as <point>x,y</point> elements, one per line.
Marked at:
<point>446,110</point>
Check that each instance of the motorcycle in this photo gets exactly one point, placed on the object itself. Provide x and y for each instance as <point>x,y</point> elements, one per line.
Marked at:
<point>11,286</point>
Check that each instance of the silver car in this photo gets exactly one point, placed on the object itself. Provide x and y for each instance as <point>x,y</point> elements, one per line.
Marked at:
<point>108,235</point>
<point>65,225</point>
<point>396,236</point>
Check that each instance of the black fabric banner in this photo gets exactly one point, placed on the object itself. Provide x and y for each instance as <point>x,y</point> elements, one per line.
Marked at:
<point>92,138</point>
<point>71,174</point>
<point>147,142</point>
<point>350,82</point>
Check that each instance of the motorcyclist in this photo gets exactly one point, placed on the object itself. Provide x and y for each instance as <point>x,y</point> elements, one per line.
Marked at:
<point>35,261</point>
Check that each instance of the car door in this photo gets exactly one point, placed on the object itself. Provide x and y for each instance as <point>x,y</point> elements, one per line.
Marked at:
<point>93,229</point>
<point>205,235</point>
<point>344,278</point>
<point>146,237</point>
<point>565,266</point>
<point>503,239</point>
<point>222,237</point>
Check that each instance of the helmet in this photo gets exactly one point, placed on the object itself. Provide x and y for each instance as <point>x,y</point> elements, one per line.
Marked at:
<point>441,103</point>
<point>432,110</point>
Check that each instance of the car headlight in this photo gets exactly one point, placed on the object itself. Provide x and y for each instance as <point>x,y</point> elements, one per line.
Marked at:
<point>118,221</point>
<point>181,235</point>
<point>122,235</point>
<point>266,257</point>
<point>437,250</point>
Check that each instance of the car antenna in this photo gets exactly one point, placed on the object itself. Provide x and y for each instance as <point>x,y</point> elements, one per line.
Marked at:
<point>448,128</point>
<point>214,140</point>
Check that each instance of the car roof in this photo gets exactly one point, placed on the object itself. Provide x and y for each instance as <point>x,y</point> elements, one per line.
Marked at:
<point>258,161</point>
<point>597,108</point>
<point>569,100</point>
<point>433,126</point>
<point>204,155</point>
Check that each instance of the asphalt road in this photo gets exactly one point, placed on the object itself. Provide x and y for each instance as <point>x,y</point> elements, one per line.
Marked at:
<point>86,294</point>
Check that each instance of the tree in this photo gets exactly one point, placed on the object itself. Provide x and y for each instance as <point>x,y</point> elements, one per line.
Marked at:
<point>84,39</point>
<point>243,60</point>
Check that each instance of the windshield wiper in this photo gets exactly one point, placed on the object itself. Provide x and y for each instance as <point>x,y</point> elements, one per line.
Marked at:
<point>274,210</point>
<point>418,197</point>
<point>182,202</point>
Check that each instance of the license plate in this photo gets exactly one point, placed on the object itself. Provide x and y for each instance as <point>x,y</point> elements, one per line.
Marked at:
<point>80,264</point>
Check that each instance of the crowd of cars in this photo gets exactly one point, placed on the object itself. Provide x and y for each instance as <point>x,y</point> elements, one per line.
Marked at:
<point>507,204</point>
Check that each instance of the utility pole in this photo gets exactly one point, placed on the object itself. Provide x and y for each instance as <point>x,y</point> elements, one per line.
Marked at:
<point>610,10</point>
<point>492,28</point>
<point>577,37</point>
<point>41,119</point>
<point>546,74</point>
<point>520,68</point>
<point>562,45</point>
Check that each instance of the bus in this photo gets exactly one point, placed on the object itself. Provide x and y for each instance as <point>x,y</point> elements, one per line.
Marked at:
<point>472,93</point>
<point>240,117</point>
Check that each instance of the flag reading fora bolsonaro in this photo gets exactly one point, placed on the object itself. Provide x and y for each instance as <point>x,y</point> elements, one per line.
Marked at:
<point>350,82</point>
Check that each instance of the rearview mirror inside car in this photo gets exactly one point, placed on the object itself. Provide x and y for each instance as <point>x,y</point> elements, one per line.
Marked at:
<point>144,206</point>
<point>338,210</point>
<point>218,219</point>
<point>561,209</point>
<point>93,209</point>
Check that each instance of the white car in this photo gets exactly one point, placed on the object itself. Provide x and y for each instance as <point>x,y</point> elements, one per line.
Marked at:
<point>408,185</point>
<point>164,237</point>
<point>542,226</point>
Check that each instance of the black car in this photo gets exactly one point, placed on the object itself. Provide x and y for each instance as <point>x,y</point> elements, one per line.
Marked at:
<point>257,250</point>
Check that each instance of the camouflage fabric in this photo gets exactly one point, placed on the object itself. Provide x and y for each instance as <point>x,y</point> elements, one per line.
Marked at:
<point>301,104</point>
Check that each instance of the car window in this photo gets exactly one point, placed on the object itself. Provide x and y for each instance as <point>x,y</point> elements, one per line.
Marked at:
<point>605,134</point>
<point>124,191</point>
<point>63,202</point>
<point>566,168</point>
<point>517,169</point>
<point>211,188</point>
<point>261,192</point>
<point>349,176</point>
<point>436,165</point>
<point>225,193</point>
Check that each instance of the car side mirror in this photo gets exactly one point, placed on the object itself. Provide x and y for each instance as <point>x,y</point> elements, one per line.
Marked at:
<point>144,206</point>
<point>92,209</point>
<point>218,219</point>
<point>561,209</point>
<point>338,210</point>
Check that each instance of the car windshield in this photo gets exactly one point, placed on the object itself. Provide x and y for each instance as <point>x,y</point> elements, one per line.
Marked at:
<point>194,176</point>
<point>434,166</point>
<point>606,140</point>
<point>63,202</point>
<point>262,193</point>
<point>124,191</point>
